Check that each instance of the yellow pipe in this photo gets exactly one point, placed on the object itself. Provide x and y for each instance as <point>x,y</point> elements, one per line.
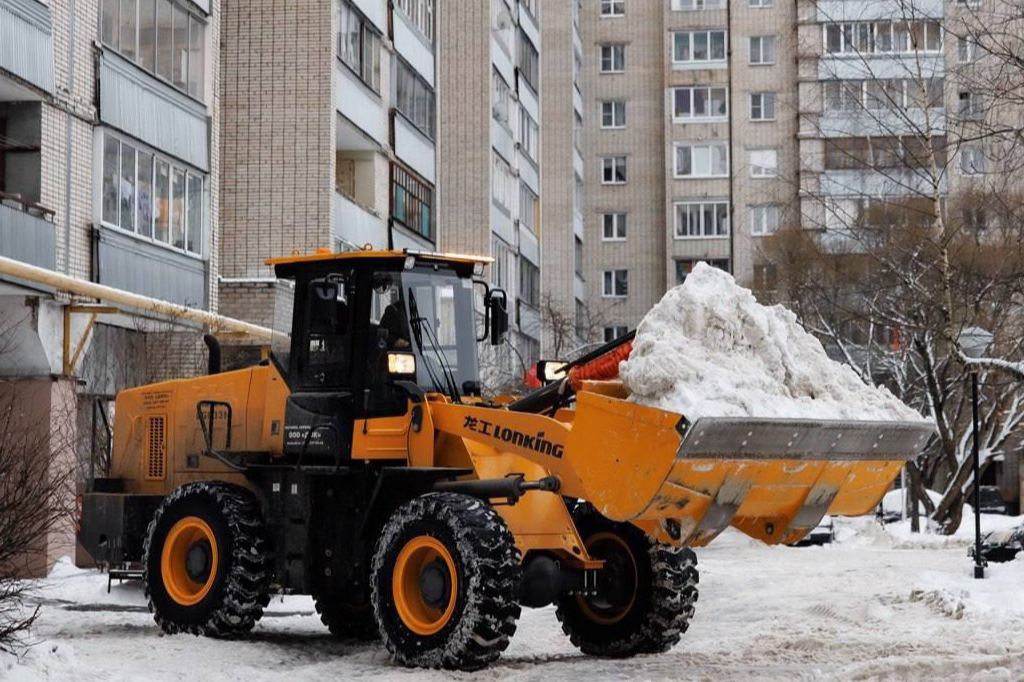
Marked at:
<point>38,275</point>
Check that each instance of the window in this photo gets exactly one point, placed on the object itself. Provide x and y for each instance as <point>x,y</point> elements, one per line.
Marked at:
<point>762,106</point>
<point>762,49</point>
<point>616,332</point>
<point>414,99</point>
<point>764,220</point>
<point>577,252</point>
<point>972,160</point>
<point>971,105</point>
<point>966,50</point>
<point>616,283</point>
<point>529,134</point>
<point>577,131</point>
<point>530,6</point>
<point>412,202</point>
<point>151,197</point>
<point>693,5</point>
<point>869,153</point>
<point>701,219</point>
<point>694,47</point>
<point>577,194</point>
<point>613,58</point>
<point>421,13</point>
<point>613,170</point>
<point>529,62</point>
<point>685,267</point>
<point>882,37</point>
<point>504,264</point>
<point>614,225</point>
<point>613,8</point>
<point>760,3</point>
<point>581,319</point>
<point>764,163</point>
<point>529,282</point>
<point>856,95</point>
<point>503,184</point>
<point>613,114</point>
<point>161,36</point>
<point>699,103</point>
<point>502,98</point>
<point>359,46</point>
<point>528,208</point>
<point>709,160</point>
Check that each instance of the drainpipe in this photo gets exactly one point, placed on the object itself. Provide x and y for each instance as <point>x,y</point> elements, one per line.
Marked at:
<point>38,275</point>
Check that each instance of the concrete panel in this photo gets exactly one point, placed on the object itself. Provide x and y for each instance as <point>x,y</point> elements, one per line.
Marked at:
<point>528,100</point>
<point>863,124</point>
<point>877,184</point>
<point>137,103</point>
<point>26,42</point>
<point>357,226</point>
<point>529,173</point>
<point>862,10</point>
<point>413,47</point>
<point>503,62</point>
<point>415,149</point>
<point>27,238</point>
<point>529,248</point>
<point>129,263</point>
<point>360,105</point>
<point>857,68</point>
<point>501,139</point>
<point>376,12</point>
<point>501,224</point>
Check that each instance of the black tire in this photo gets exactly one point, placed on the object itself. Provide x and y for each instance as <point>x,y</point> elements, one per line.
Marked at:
<point>348,621</point>
<point>481,597</point>
<point>238,588</point>
<point>663,590</point>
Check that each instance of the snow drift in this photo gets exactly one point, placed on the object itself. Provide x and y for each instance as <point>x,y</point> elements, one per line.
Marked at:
<point>708,348</point>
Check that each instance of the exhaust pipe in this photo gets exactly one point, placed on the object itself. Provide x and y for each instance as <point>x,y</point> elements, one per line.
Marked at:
<point>214,345</point>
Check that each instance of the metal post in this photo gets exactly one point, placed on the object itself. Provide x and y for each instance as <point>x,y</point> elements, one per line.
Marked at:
<point>979,562</point>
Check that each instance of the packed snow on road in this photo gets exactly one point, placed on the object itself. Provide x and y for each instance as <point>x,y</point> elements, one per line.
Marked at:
<point>880,603</point>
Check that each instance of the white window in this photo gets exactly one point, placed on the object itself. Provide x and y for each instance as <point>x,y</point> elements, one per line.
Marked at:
<point>613,58</point>
<point>971,105</point>
<point>613,114</point>
<point>529,207</point>
<point>966,50</point>
<point>710,160</point>
<point>613,170</point>
<point>764,163</point>
<point>359,46</point>
<point>972,160</point>
<point>700,103</point>
<point>151,197</point>
<point>616,332</point>
<point>764,219</point>
<point>698,47</point>
<point>762,49</point>
<point>882,37</point>
<point>616,283</point>
<point>501,96</point>
<point>613,8</point>
<point>614,225</point>
<point>529,134</point>
<point>702,219</point>
<point>421,12</point>
<point>577,195</point>
<point>762,106</point>
<point>760,3</point>
<point>503,184</point>
<point>693,5</point>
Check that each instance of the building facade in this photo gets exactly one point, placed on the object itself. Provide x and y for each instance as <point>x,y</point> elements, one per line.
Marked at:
<point>330,143</point>
<point>109,173</point>
<point>489,147</point>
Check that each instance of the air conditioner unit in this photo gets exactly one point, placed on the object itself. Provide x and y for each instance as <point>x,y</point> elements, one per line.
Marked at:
<point>503,22</point>
<point>500,111</point>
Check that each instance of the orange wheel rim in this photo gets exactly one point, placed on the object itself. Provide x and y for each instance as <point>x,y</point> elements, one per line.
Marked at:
<point>602,546</point>
<point>423,603</point>
<point>188,562</point>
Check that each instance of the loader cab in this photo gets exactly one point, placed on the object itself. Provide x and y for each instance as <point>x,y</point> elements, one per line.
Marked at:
<point>364,329</point>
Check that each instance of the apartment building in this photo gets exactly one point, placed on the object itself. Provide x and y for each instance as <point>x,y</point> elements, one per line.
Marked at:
<point>489,146</point>
<point>109,138</point>
<point>329,136</point>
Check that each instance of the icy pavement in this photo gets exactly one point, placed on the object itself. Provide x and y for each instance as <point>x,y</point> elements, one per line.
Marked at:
<point>877,605</point>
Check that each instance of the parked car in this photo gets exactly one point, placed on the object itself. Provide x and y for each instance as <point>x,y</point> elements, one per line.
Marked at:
<point>1000,546</point>
<point>823,534</point>
<point>992,501</point>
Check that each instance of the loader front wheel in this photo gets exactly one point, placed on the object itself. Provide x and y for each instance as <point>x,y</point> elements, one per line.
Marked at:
<point>445,583</point>
<point>206,566</point>
<point>645,595</point>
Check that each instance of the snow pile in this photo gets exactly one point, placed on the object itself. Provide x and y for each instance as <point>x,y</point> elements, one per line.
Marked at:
<point>708,348</point>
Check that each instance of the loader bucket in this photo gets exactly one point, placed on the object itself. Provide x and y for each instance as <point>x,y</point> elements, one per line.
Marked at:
<point>774,479</point>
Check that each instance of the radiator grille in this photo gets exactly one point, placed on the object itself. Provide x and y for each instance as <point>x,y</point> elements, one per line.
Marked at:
<point>155,448</point>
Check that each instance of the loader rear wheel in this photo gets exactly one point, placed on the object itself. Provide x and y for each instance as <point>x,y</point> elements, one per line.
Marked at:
<point>206,566</point>
<point>445,583</point>
<point>646,592</point>
<point>348,620</point>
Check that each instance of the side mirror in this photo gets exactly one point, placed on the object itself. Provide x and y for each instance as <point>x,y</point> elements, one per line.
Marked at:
<point>497,303</point>
<point>550,371</point>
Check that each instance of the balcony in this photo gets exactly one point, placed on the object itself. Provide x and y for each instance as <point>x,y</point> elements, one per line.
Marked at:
<point>27,233</point>
<point>356,226</point>
<point>26,47</point>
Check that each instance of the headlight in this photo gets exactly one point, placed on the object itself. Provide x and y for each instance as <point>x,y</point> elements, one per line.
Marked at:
<point>401,363</point>
<point>551,370</point>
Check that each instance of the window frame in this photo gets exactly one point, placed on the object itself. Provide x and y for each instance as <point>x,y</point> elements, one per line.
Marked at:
<point>420,87</point>
<point>618,162</point>
<point>692,89</point>
<point>680,235</point>
<point>616,331</point>
<point>759,227</point>
<point>762,41</point>
<point>879,32</point>
<point>366,28</point>
<point>417,193</point>
<point>619,226</point>
<point>769,171</point>
<point>612,48</point>
<point>610,283</point>
<point>608,9</point>
<point>698,5</point>
<point>426,16</point>
<point>527,62</point>
<point>614,110</point>
<point>710,145</point>
<point>771,97</point>
<point>701,63</point>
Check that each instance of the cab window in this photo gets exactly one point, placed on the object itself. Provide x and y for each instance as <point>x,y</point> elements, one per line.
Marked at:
<point>326,356</point>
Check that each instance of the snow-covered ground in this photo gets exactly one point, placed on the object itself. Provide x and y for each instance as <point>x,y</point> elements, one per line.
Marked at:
<point>878,604</point>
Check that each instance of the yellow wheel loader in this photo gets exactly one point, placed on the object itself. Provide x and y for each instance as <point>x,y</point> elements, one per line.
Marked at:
<point>359,464</point>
